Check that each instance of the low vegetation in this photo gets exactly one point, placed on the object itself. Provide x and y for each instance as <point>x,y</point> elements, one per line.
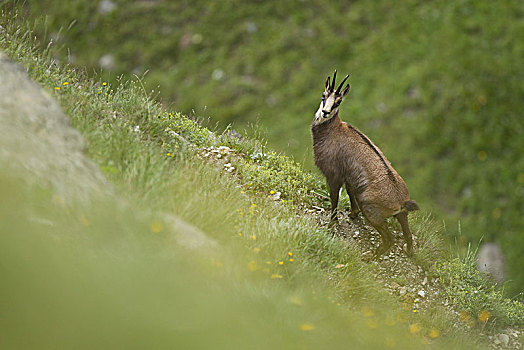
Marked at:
<point>418,69</point>
<point>272,276</point>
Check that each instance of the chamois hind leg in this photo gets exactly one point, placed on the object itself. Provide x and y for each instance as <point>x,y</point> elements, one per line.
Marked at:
<point>408,236</point>
<point>334,189</point>
<point>376,220</point>
<point>354,206</point>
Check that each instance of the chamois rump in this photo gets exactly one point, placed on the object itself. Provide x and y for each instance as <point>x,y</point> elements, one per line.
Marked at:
<point>348,157</point>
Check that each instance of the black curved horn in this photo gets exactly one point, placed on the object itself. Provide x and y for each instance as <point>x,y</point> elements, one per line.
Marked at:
<point>333,82</point>
<point>342,83</point>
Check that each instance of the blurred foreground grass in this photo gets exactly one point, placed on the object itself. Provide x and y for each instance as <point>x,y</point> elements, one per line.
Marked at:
<point>117,270</point>
<point>115,274</point>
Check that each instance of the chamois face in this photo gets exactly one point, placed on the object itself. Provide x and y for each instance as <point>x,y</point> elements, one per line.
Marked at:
<point>331,100</point>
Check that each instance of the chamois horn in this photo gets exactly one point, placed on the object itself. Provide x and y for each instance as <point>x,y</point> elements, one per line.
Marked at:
<point>333,82</point>
<point>342,83</point>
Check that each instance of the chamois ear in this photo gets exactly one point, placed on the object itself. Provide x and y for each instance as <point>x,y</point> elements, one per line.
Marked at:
<point>345,91</point>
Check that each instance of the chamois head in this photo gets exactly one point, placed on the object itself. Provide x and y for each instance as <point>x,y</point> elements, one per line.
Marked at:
<point>331,100</point>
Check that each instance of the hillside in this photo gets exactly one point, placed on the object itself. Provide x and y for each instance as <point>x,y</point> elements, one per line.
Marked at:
<point>418,70</point>
<point>196,238</point>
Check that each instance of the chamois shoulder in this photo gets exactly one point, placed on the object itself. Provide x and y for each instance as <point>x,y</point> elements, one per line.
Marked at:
<point>371,146</point>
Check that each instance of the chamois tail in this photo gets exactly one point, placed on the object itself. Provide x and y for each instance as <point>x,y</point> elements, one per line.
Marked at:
<point>410,205</point>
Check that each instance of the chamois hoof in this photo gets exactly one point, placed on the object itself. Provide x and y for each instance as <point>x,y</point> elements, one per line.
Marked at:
<point>382,249</point>
<point>353,215</point>
<point>408,250</point>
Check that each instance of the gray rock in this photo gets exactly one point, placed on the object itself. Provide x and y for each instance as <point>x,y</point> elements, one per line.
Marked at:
<point>190,237</point>
<point>39,146</point>
<point>106,6</point>
<point>37,142</point>
<point>504,339</point>
<point>107,61</point>
<point>491,261</point>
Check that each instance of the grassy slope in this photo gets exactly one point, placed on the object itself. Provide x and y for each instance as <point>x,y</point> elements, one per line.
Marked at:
<point>117,262</point>
<point>418,70</point>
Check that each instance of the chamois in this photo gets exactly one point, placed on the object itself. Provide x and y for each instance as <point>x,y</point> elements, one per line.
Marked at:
<point>348,157</point>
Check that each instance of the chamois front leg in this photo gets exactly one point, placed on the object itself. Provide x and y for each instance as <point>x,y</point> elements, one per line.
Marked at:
<point>354,206</point>
<point>334,189</point>
<point>408,236</point>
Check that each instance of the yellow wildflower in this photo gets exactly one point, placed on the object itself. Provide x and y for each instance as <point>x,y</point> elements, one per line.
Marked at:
<point>276,276</point>
<point>367,312</point>
<point>482,155</point>
<point>306,327</point>
<point>156,226</point>
<point>216,263</point>
<point>252,266</point>
<point>84,221</point>
<point>484,316</point>
<point>415,328</point>
<point>433,333</point>
<point>390,342</point>
<point>296,300</point>
<point>372,323</point>
<point>464,316</point>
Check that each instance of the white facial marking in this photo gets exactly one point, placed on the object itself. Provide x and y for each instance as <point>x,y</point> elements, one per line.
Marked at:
<point>326,109</point>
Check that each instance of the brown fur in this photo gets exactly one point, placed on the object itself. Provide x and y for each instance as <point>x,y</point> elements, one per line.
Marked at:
<point>347,157</point>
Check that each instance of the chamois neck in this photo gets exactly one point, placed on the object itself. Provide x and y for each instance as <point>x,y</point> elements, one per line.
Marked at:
<point>326,126</point>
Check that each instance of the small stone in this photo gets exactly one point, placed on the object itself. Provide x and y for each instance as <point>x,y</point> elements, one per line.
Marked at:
<point>217,74</point>
<point>504,339</point>
<point>106,6</point>
<point>224,149</point>
<point>425,281</point>
<point>394,285</point>
<point>107,61</point>
<point>402,291</point>
<point>421,293</point>
<point>275,196</point>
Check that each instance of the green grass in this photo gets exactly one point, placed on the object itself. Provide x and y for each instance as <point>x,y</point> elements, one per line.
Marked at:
<point>117,268</point>
<point>422,70</point>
